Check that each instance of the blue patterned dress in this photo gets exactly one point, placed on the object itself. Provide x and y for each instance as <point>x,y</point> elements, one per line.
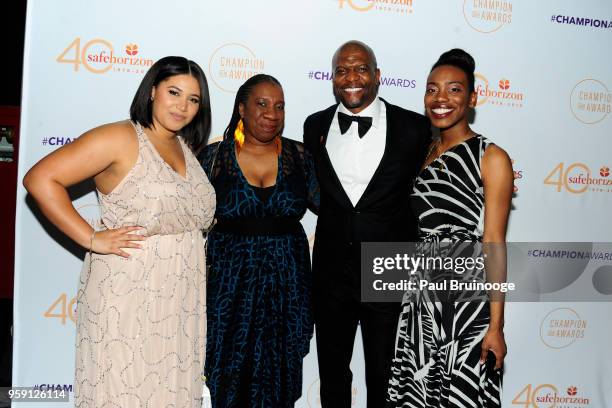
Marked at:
<point>259,284</point>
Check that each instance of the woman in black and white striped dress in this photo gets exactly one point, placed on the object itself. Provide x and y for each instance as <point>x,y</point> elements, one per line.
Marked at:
<point>450,354</point>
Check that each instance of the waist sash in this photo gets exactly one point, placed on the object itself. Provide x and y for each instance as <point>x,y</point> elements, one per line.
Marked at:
<point>259,226</point>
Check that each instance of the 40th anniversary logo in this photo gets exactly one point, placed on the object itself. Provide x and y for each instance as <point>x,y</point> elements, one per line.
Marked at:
<point>98,56</point>
<point>551,396</point>
<point>578,178</point>
<point>391,6</point>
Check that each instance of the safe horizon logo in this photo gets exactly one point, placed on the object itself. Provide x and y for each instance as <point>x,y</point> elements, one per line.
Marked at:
<point>505,94</point>
<point>578,178</point>
<point>98,56</point>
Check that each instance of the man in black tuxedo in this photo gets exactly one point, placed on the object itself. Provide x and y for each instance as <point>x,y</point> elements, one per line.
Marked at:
<point>367,154</point>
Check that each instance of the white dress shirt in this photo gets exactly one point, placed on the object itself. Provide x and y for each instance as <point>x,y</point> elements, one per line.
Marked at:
<point>355,159</point>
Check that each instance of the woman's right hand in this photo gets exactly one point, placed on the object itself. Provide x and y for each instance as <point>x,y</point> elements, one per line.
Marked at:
<point>106,154</point>
<point>112,241</point>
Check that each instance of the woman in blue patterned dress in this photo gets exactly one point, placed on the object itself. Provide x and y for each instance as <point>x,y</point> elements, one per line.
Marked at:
<point>259,310</point>
<point>450,353</point>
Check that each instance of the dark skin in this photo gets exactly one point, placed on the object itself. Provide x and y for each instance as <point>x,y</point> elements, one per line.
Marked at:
<point>448,99</point>
<point>356,77</point>
<point>263,116</point>
<point>447,102</point>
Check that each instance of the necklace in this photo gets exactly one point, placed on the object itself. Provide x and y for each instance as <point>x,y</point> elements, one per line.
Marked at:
<point>436,146</point>
<point>438,155</point>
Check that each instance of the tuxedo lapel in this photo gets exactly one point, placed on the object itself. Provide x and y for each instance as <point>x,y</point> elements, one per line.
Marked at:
<point>328,177</point>
<point>370,188</point>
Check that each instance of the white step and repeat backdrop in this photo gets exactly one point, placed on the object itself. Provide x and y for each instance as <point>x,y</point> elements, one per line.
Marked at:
<point>543,83</point>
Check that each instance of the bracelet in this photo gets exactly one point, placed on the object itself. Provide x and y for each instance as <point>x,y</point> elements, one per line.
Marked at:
<point>91,241</point>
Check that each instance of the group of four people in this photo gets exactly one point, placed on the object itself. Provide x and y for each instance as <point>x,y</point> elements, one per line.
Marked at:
<point>371,172</point>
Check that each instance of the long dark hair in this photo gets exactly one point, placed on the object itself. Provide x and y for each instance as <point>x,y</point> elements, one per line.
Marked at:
<point>460,59</point>
<point>196,132</point>
<point>241,98</point>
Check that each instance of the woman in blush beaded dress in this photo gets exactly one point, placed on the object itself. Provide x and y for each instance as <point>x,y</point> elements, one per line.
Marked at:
<point>141,325</point>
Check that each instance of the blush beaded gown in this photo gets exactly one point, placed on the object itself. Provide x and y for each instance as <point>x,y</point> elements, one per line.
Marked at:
<point>141,321</point>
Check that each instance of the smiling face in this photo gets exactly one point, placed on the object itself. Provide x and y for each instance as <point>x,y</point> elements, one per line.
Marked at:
<point>176,101</point>
<point>355,78</point>
<point>447,98</point>
<point>263,113</point>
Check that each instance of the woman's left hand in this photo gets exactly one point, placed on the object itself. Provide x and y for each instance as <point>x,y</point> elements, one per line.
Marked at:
<point>494,342</point>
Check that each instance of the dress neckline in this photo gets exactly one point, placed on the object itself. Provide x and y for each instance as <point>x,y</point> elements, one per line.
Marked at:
<point>140,130</point>
<point>253,188</point>
<point>449,150</point>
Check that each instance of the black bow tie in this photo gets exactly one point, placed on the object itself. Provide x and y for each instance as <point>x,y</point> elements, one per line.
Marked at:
<point>364,122</point>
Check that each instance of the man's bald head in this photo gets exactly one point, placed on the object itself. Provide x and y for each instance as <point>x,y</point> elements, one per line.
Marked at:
<point>355,76</point>
<point>354,44</point>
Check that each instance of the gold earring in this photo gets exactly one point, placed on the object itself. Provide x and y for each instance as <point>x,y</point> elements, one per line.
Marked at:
<point>279,144</point>
<point>239,135</point>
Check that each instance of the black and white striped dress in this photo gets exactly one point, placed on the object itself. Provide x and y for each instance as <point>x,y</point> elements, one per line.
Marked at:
<point>436,362</point>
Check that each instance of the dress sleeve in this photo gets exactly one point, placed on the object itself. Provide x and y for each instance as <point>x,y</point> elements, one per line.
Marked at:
<point>303,160</point>
<point>208,157</point>
<point>312,183</point>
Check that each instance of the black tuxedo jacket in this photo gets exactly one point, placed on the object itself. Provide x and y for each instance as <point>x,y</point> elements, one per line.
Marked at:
<point>383,212</point>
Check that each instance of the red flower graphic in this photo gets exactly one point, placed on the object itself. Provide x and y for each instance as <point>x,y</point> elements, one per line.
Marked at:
<point>572,390</point>
<point>604,171</point>
<point>504,84</point>
<point>131,49</point>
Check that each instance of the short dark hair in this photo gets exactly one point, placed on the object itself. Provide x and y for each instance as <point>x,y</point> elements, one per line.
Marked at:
<point>196,132</point>
<point>460,59</point>
<point>241,97</point>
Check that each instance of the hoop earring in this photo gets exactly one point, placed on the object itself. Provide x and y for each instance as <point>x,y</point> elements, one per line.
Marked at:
<point>239,135</point>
